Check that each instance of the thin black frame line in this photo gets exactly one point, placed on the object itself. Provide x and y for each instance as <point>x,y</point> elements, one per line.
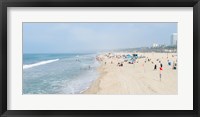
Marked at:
<point>193,3</point>
<point>122,4</point>
<point>1,57</point>
<point>196,51</point>
<point>99,22</point>
<point>4,59</point>
<point>100,3</point>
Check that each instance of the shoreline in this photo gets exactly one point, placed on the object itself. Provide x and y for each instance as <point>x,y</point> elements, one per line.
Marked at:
<point>135,79</point>
<point>94,87</point>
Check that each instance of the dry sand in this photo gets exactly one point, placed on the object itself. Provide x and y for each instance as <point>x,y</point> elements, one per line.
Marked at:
<point>138,78</point>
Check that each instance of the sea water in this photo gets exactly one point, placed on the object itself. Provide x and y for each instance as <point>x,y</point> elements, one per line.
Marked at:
<point>58,73</point>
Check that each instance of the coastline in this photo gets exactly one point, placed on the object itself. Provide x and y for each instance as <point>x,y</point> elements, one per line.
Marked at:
<point>95,88</point>
<point>136,79</point>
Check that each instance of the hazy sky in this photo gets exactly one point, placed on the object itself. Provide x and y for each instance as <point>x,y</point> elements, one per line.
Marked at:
<point>92,37</point>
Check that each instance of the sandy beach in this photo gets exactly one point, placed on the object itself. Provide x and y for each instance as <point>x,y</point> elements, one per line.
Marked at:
<point>138,78</point>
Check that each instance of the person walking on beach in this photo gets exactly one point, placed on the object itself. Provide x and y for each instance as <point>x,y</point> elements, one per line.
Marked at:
<point>174,66</point>
<point>161,65</point>
<point>155,67</point>
<point>160,73</point>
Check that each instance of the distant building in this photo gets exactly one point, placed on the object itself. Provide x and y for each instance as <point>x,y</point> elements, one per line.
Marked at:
<point>174,37</point>
<point>155,45</point>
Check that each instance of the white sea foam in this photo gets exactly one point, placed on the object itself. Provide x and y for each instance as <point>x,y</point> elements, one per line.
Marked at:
<point>67,76</point>
<point>79,84</point>
<point>39,63</point>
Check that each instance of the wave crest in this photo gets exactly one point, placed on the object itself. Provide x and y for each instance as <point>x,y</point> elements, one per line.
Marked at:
<point>39,63</point>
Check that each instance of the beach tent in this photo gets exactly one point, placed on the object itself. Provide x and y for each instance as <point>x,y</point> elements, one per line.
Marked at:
<point>129,56</point>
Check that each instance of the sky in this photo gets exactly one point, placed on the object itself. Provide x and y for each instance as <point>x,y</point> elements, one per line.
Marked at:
<point>93,37</point>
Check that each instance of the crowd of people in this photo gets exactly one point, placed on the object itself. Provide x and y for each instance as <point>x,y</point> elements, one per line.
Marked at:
<point>120,61</point>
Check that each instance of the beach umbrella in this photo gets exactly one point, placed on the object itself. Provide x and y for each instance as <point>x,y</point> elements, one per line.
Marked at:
<point>128,55</point>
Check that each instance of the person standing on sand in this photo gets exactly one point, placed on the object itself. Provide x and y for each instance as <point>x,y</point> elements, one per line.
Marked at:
<point>155,67</point>
<point>121,64</point>
<point>160,73</point>
<point>161,65</point>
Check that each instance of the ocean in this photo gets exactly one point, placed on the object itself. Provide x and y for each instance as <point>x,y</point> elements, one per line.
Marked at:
<point>58,73</point>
